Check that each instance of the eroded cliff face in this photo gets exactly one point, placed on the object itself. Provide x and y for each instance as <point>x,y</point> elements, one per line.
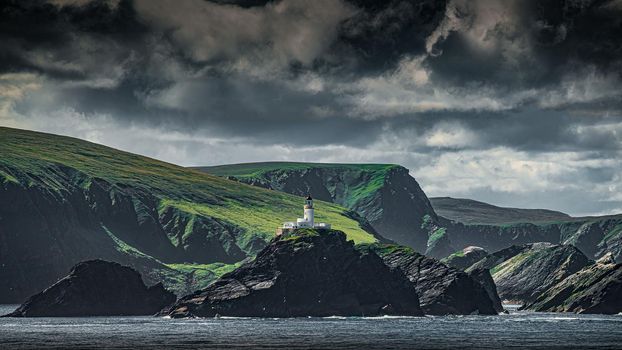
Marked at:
<point>385,195</point>
<point>45,230</point>
<point>442,290</point>
<point>523,273</point>
<point>305,273</point>
<point>595,289</point>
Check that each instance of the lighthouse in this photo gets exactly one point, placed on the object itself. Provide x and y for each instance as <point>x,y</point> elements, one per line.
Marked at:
<point>307,221</point>
<point>308,213</point>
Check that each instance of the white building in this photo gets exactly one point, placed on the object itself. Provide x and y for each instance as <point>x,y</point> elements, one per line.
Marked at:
<point>307,221</point>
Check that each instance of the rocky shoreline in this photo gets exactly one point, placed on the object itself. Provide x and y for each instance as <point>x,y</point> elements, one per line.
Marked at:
<point>317,272</point>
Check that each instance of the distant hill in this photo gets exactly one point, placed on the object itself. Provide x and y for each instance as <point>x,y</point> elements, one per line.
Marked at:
<point>470,211</point>
<point>384,194</point>
<point>65,200</point>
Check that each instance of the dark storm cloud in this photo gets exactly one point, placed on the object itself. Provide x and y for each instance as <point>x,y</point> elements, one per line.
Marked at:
<point>32,28</point>
<point>535,47</point>
<point>482,47</point>
<point>459,83</point>
<point>382,32</point>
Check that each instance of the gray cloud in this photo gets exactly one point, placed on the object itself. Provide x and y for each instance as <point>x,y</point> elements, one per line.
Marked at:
<point>490,99</point>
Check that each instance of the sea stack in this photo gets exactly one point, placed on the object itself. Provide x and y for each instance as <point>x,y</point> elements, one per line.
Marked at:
<point>305,272</point>
<point>97,288</point>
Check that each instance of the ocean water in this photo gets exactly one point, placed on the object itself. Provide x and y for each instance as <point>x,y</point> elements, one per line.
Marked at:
<point>514,331</point>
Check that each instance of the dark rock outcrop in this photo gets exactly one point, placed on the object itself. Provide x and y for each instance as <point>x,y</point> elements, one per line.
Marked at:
<point>485,280</point>
<point>465,258</point>
<point>442,290</point>
<point>522,273</point>
<point>305,273</point>
<point>596,289</point>
<point>97,288</point>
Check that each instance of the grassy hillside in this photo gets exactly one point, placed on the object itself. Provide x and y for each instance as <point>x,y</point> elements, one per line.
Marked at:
<point>26,157</point>
<point>73,199</point>
<point>470,211</point>
<point>384,194</point>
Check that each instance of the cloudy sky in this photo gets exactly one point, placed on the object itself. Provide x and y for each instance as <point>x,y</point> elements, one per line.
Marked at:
<point>513,102</point>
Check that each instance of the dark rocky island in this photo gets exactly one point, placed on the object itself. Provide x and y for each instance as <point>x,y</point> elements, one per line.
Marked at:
<point>442,290</point>
<point>596,289</point>
<point>97,288</point>
<point>305,273</point>
<point>485,279</point>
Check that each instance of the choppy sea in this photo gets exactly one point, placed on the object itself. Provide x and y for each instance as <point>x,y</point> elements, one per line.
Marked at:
<point>517,330</point>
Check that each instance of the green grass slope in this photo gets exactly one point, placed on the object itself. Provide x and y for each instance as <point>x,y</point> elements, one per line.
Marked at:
<point>73,199</point>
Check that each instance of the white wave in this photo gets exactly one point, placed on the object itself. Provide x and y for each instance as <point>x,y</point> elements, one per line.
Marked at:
<point>389,317</point>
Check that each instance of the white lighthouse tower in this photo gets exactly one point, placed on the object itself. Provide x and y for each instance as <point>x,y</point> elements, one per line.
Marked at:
<point>308,215</point>
<point>307,221</point>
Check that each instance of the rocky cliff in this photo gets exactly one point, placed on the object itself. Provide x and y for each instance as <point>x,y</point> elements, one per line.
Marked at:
<point>595,289</point>
<point>97,288</point>
<point>522,273</point>
<point>305,273</point>
<point>442,290</point>
<point>384,194</point>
